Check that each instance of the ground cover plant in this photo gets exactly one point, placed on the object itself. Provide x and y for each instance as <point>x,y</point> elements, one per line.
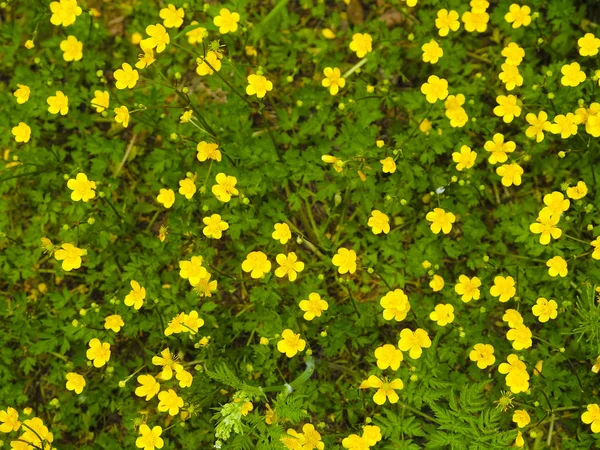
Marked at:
<point>299,224</point>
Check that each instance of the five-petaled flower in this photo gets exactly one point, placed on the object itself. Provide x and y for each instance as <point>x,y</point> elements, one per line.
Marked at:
<point>21,132</point>
<point>257,264</point>
<point>290,343</point>
<point>214,226</point>
<point>483,355</point>
<point>258,85</point>
<point>345,260</point>
<point>227,21</point>
<point>70,256</point>
<point>592,416</point>
<point>126,77</point>
<point>314,306</point>
<point>362,43</point>
<point>386,389</point>
<point>333,80</point>
<point>544,309</point>
<point>149,438</point>
<point>379,222</point>
<point>414,342</point>
<point>225,187</point>
<point>440,220</point>
<point>435,89</point>
<point>58,103</point>
<point>288,265</point>
<point>99,352</point>
<point>75,382</point>
<point>83,189</point>
<point>136,296</point>
<point>395,305</point>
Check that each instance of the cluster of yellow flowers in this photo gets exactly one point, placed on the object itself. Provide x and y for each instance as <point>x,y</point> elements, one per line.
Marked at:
<point>35,433</point>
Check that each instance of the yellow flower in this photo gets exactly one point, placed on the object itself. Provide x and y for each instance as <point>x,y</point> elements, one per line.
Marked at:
<point>465,159</point>
<point>545,226</point>
<point>58,103</point>
<point>519,441</point>
<point>520,336</point>
<point>512,317</point>
<point>592,416</point>
<point>388,356</point>
<point>513,53</point>
<point>537,125</point>
<point>389,165</point>
<point>187,188</point>
<point>510,173</point>
<point>414,342</point>
<point>395,305</point>
<point>122,115</point>
<point>193,322</point>
<point>208,150</point>
<point>517,378</point>
<point>10,420</point>
<point>565,125</point>
<point>196,35</point>
<point>176,324</point>
<point>214,226</point>
<point>257,264</point>
<point>510,76</point>
<point>258,85</point>
<point>72,49</point>
<point>246,408</point>
<point>64,12</point>
<point>192,270</point>
<point>498,148</point>
<point>290,343</point>
<point>21,132</point>
<point>468,288</point>
<point>483,354</point>
<point>136,296</point>
<point>70,256</point>
<point>186,116</point>
<point>225,187</point>
<point>557,266</point>
<point>29,44</point>
<point>149,439</point>
<point>313,307</point>
<point>362,43</point>
<point>475,21</point>
<point>572,75</point>
<point>446,21</point>
<point>22,93</point>
<point>83,189</point>
<point>126,77</point>
<point>596,244</point>
<point>171,16</point>
<point>338,164</point>
<point>386,390</point>
<point>443,314</point>
<point>185,378</point>
<point>545,310</point>
<point>435,89</point>
<point>588,45</point>
<point>432,52</point>
<point>75,382</point>
<point>521,418</point>
<point>289,265</point>
<point>169,401</point>
<point>282,232</point>
<point>158,40</point>
<point>504,288</point>
<point>556,203</point>
<point>578,191</point>
<point>99,352</point>
<point>425,126</point>
<point>168,364</point>
<point>114,323</point>
<point>146,58</point>
<point>208,64</point>
<point>379,222</point>
<point>518,15</point>
<point>227,21</point>
<point>333,80</point>
<point>328,33</point>
<point>507,108</point>
<point>148,388</point>
<point>440,220</point>
<point>166,197</point>
<point>436,283</point>
<point>101,100</point>
<point>345,260</point>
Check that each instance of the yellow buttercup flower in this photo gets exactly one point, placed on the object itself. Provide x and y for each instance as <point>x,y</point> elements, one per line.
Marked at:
<point>149,439</point>
<point>290,343</point>
<point>257,264</point>
<point>83,189</point>
<point>289,265</point>
<point>114,322</point>
<point>432,52</point>
<point>126,77</point>
<point>414,342</point>
<point>58,103</point>
<point>148,387</point>
<point>510,173</point>
<point>435,89</point>
<point>518,15</point>
<point>72,49</point>
<point>22,93</point>
<point>379,222</point>
<point>362,43</point>
<point>314,306</point>
<point>227,21</point>
<point>21,132</point>
<point>136,296</point>
<point>440,220</point>
<point>101,100</point>
<point>258,85</point>
<point>169,401</point>
<point>443,314</point>
<point>158,38</point>
<point>572,75</point>
<point>207,151</point>
<point>507,108</point>
<point>70,256</point>
<point>521,418</point>
<point>446,21</point>
<point>166,197</point>
<point>465,159</point>
<point>225,187</point>
<point>192,270</point>
<point>388,356</point>
<point>345,260</point>
<point>395,305</point>
<point>436,283</point>
<point>503,288</point>
<point>75,382</point>
<point>208,64</point>
<point>99,352</point>
<point>483,355</point>
<point>389,165</point>
<point>122,115</point>
<point>214,226</point>
<point>187,188</point>
<point>64,12</point>
<point>386,390</point>
<point>557,266</point>
<point>544,309</point>
<point>172,16</point>
<point>333,80</point>
<point>282,233</point>
<point>578,191</point>
<point>537,125</point>
<point>588,45</point>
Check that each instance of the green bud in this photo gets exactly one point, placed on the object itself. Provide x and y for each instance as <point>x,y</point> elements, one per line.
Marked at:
<point>185,90</point>
<point>91,221</point>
